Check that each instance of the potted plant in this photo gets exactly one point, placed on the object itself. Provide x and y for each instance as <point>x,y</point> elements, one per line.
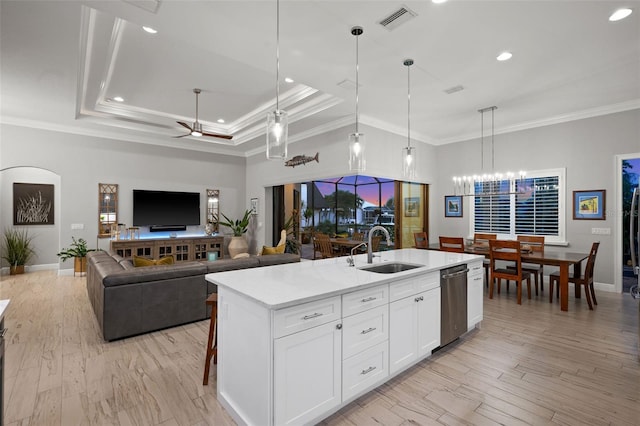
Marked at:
<point>78,251</point>
<point>17,249</point>
<point>292,244</point>
<point>238,243</point>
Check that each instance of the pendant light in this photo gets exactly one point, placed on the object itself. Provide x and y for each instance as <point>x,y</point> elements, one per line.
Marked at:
<point>356,140</point>
<point>408,153</point>
<point>277,121</point>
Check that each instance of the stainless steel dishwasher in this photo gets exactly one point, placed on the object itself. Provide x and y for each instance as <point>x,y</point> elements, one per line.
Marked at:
<point>453,303</point>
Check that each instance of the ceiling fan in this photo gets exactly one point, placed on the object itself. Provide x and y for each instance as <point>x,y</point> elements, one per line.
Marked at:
<point>196,128</point>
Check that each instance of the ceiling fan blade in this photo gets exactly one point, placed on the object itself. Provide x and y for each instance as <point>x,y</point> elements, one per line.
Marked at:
<point>217,135</point>
<point>182,136</point>
<point>183,124</point>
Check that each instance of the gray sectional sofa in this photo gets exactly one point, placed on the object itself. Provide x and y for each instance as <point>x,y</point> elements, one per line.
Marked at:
<point>128,301</point>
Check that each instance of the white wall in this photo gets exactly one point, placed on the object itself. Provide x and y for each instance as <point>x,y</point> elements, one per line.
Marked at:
<point>586,148</point>
<point>82,162</point>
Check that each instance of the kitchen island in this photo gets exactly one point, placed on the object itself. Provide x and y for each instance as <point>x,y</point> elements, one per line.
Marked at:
<point>297,342</point>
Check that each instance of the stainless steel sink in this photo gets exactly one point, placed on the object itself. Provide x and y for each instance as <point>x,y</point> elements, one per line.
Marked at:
<point>390,268</point>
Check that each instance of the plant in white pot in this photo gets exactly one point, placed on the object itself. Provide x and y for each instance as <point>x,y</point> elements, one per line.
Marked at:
<point>238,243</point>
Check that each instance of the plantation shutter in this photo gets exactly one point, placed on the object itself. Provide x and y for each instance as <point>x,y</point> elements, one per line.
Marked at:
<point>537,206</point>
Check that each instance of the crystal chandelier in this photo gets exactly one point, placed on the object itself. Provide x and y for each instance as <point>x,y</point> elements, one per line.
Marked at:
<point>487,183</point>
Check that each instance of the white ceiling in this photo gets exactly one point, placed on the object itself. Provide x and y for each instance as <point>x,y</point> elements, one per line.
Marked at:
<point>63,61</point>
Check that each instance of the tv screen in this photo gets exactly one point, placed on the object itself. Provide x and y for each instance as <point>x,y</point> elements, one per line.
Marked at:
<point>165,208</point>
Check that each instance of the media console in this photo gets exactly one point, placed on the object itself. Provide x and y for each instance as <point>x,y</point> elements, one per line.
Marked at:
<point>183,249</point>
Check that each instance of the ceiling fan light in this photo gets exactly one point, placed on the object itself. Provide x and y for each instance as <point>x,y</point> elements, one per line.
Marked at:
<point>504,56</point>
<point>150,30</point>
<point>277,134</point>
<point>197,129</point>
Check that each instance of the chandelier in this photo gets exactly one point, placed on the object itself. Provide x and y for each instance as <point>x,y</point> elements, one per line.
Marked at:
<point>486,184</point>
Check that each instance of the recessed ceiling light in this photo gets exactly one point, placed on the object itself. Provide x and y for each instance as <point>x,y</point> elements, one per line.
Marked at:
<point>150,30</point>
<point>288,80</point>
<point>118,98</point>
<point>504,56</point>
<point>620,14</point>
<point>438,1</point>
<point>220,120</point>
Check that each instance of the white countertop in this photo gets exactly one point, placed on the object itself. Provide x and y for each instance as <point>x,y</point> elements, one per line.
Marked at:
<point>3,307</point>
<point>280,286</point>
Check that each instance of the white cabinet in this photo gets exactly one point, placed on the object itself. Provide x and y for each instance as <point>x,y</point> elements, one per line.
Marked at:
<point>414,328</point>
<point>307,374</point>
<point>475,294</point>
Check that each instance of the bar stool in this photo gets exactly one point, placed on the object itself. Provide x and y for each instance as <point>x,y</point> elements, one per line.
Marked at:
<point>212,344</point>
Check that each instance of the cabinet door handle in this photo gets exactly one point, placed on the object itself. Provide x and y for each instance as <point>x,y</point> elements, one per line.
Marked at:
<point>418,299</point>
<point>368,370</point>
<point>369,330</point>
<point>339,326</point>
<point>314,315</point>
<point>368,299</point>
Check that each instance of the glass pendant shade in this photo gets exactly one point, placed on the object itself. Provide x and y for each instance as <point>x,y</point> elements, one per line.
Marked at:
<point>277,134</point>
<point>409,162</point>
<point>356,152</point>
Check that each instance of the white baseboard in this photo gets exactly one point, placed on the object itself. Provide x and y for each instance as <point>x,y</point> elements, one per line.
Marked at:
<point>33,268</point>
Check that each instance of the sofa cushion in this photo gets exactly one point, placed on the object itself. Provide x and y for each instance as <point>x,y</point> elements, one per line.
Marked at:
<point>143,261</point>
<point>153,273</point>
<point>222,265</point>
<point>278,259</point>
<point>273,250</point>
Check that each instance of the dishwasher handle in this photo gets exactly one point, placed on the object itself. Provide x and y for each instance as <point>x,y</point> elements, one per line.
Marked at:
<point>455,274</point>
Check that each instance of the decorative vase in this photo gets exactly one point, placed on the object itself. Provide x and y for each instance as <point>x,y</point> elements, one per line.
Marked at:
<point>16,269</point>
<point>238,245</point>
<point>208,228</point>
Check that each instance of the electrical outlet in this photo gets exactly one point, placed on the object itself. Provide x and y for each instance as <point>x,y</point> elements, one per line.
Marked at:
<point>601,231</point>
<point>77,226</point>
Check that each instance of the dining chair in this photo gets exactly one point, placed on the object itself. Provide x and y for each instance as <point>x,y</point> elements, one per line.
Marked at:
<point>358,236</point>
<point>536,244</point>
<point>324,245</point>
<point>509,251</point>
<point>421,240</point>
<point>452,244</point>
<point>480,239</point>
<point>585,279</point>
<point>375,242</point>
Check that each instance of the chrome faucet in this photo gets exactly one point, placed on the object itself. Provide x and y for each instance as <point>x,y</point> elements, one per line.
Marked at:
<point>369,246</point>
<point>350,260</point>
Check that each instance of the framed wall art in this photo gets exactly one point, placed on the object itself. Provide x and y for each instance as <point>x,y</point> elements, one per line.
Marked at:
<point>589,205</point>
<point>412,206</point>
<point>32,204</point>
<point>452,206</point>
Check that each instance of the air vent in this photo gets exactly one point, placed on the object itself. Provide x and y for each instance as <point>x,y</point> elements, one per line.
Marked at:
<point>397,18</point>
<point>453,89</point>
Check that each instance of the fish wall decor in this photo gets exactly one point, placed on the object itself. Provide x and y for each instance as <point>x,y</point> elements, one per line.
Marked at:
<point>301,159</point>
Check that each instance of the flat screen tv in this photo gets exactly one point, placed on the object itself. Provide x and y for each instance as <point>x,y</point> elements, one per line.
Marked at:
<point>162,210</point>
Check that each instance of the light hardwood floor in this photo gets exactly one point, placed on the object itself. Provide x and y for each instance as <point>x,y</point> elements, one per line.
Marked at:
<point>529,364</point>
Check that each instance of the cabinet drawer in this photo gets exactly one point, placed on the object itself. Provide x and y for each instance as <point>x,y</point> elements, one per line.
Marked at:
<point>475,268</point>
<point>429,281</point>
<point>302,317</point>
<point>410,286</point>
<point>361,300</point>
<point>366,329</point>
<point>364,370</point>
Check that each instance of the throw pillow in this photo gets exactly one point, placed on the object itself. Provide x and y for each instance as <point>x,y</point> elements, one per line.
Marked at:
<point>273,250</point>
<point>143,261</point>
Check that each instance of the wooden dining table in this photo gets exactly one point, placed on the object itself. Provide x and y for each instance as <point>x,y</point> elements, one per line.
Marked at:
<point>560,258</point>
<point>344,245</point>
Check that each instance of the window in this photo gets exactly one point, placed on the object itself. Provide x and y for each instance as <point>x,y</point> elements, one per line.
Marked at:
<point>531,206</point>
